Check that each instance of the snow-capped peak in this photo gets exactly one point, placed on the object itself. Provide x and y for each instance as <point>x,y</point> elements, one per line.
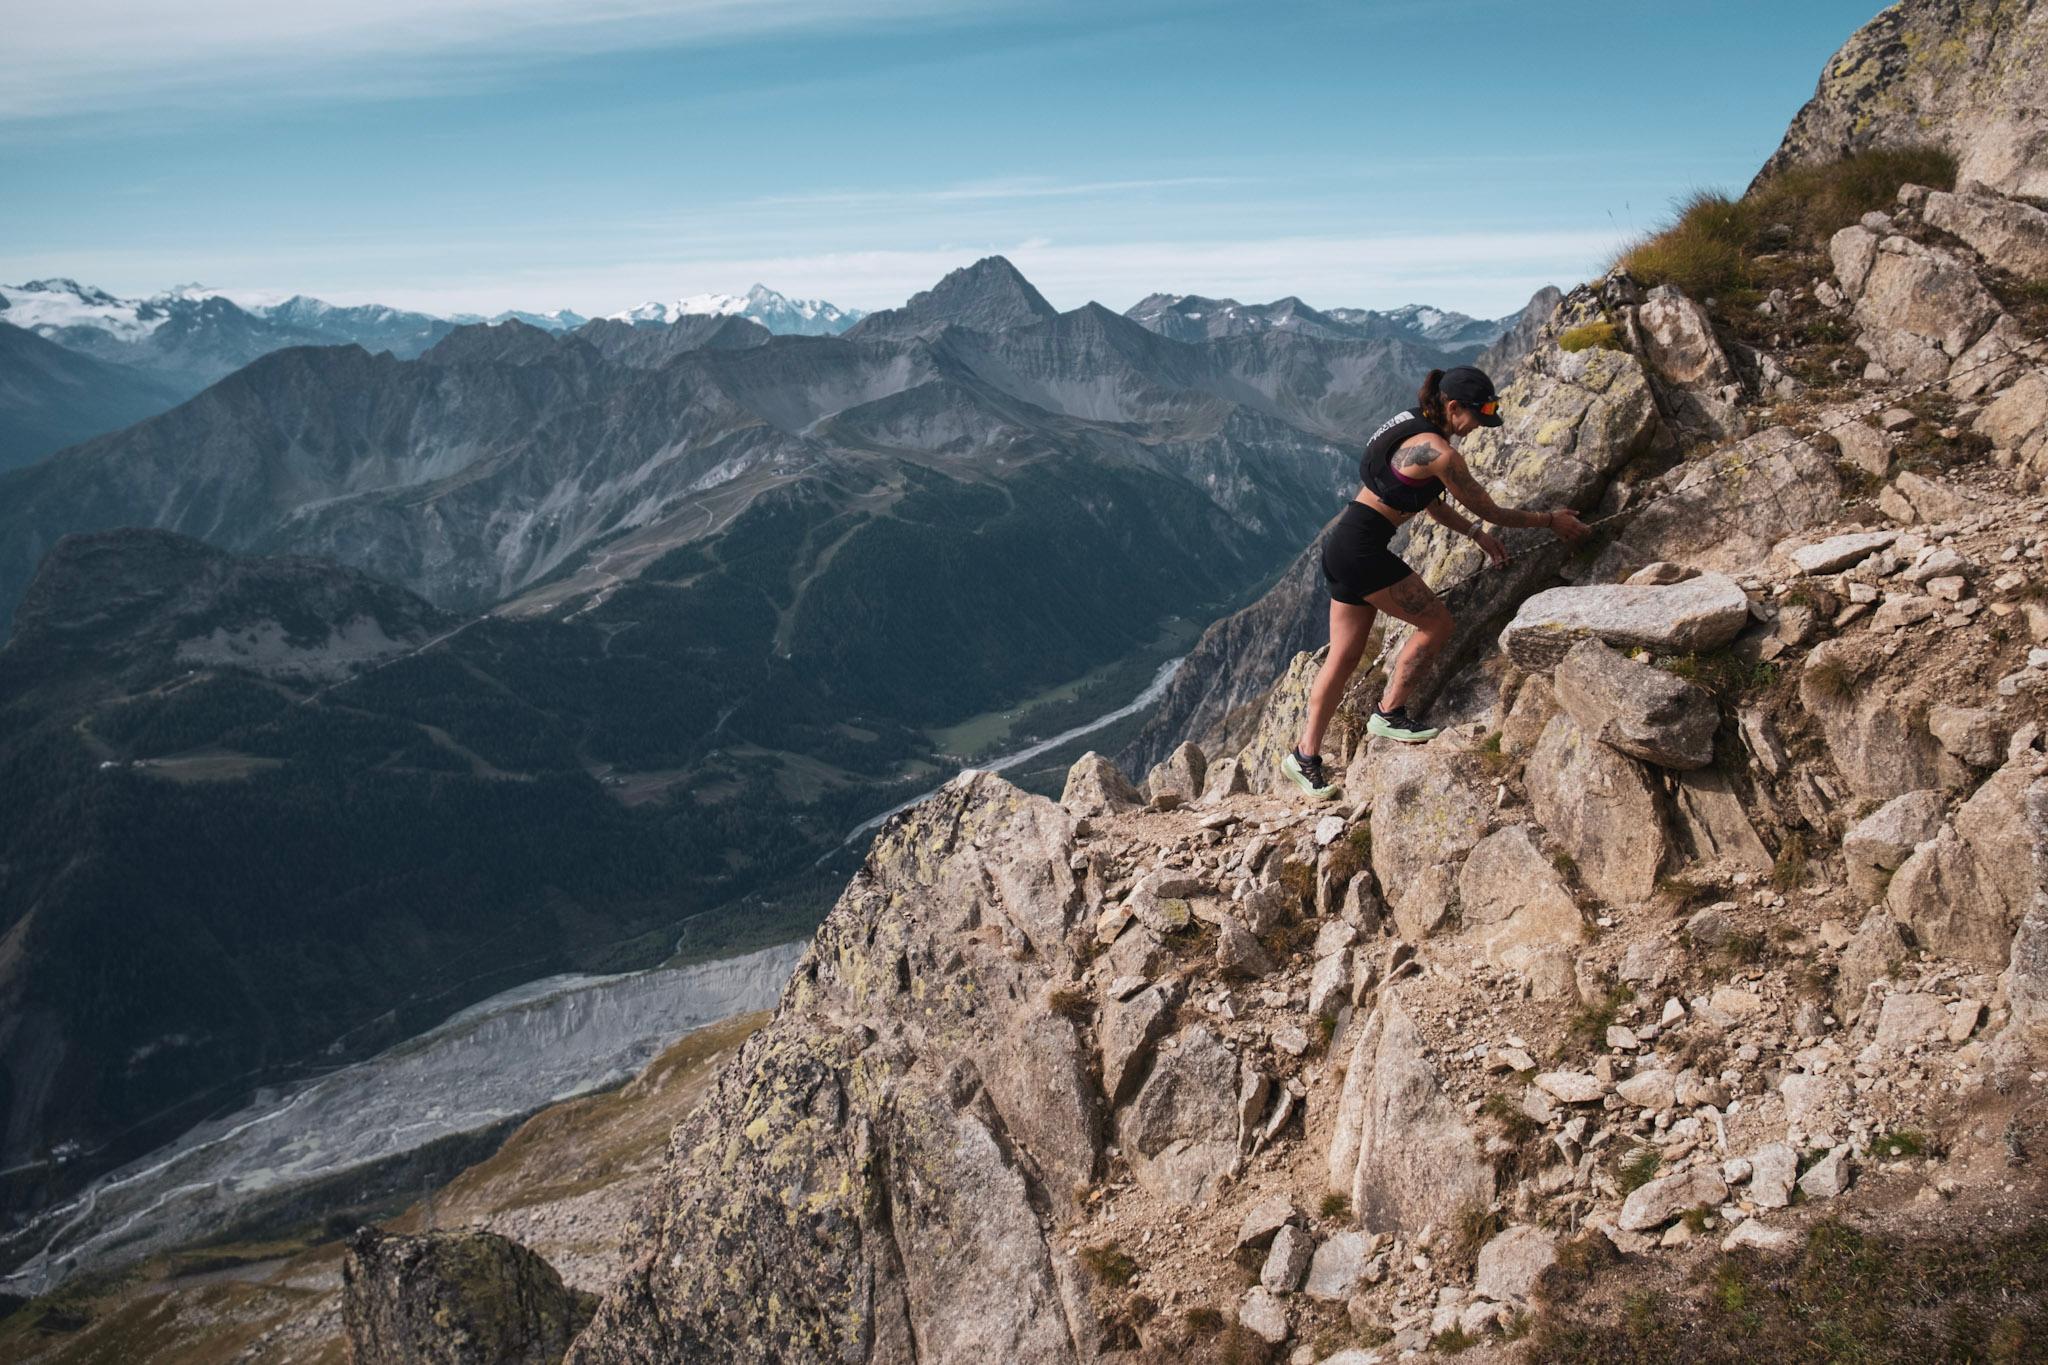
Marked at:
<point>773,310</point>
<point>653,312</point>
<point>716,305</point>
<point>52,305</point>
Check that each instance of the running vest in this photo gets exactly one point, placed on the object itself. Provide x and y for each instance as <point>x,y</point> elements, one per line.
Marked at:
<point>1376,467</point>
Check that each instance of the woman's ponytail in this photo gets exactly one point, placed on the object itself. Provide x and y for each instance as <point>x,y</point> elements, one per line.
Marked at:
<point>1430,401</point>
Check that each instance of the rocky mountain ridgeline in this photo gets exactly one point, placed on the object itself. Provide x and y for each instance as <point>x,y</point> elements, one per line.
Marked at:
<point>1717,914</point>
<point>1192,317</point>
<point>509,458</point>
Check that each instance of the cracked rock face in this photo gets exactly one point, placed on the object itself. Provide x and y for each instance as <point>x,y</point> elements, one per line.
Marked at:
<point>1602,805</point>
<point>1964,891</point>
<point>1725,510</point>
<point>876,1176</point>
<point>1961,74</point>
<point>1401,1149</point>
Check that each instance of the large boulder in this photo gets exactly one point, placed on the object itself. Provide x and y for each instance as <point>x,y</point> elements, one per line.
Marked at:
<point>1096,787</point>
<point>1725,510</point>
<point>879,1171</point>
<point>1878,945</point>
<point>1603,807</point>
<point>1711,812</point>
<point>2017,420</point>
<point>2026,975</point>
<point>1697,384</point>
<point>1675,618</point>
<point>1921,308</point>
<point>1658,1202</point>
<point>1866,717</point>
<point>1509,893</point>
<point>1644,712</point>
<point>455,1298</point>
<point>1535,702</point>
<point>1180,776</point>
<point>1429,807</point>
<point>1400,1148</point>
<point>1849,549</point>
<point>1511,1262</point>
<point>2008,233</point>
<point>1964,891</point>
<point>1127,1029</point>
<point>1966,77</point>
<point>1180,1131</point>
<point>1679,342</point>
<point>1875,846</point>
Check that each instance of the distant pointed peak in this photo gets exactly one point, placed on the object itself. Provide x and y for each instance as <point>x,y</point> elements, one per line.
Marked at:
<point>991,295</point>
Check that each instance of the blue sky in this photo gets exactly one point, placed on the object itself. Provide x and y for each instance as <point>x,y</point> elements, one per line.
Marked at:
<point>481,154</point>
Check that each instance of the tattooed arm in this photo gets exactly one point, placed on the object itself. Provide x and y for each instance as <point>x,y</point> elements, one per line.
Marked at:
<point>1485,540</point>
<point>1457,476</point>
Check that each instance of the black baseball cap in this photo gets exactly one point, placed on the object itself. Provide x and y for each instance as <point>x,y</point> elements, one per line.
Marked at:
<point>1474,391</point>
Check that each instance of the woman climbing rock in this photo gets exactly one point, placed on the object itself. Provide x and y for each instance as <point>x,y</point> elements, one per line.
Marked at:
<point>1406,466</point>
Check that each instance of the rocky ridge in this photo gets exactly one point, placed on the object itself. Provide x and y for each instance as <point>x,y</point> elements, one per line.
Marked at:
<point>1964,75</point>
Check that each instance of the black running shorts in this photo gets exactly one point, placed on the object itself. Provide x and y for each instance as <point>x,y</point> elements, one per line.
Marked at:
<point>1356,560</point>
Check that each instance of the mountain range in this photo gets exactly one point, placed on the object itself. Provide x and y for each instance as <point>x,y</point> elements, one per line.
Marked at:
<point>1192,317</point>
<point>171,345</point>
<point>505,455</point>
<point>699,591</point>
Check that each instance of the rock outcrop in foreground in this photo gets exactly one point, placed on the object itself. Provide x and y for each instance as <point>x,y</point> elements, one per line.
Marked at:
<point>469,1298</point>
<point>883,1164</point>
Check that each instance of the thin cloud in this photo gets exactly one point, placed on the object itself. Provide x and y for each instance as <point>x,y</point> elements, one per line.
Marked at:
<point>99,55</point>
<point>984,191</point>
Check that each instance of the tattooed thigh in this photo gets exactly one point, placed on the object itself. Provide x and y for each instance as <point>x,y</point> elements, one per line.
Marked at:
<point>1412,595</point>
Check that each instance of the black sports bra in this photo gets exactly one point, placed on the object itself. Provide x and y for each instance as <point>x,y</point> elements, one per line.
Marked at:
<point>1376,466</point>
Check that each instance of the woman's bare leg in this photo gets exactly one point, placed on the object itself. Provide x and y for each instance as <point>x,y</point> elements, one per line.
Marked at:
<point>1350,628</point>
<point>1411,600</point>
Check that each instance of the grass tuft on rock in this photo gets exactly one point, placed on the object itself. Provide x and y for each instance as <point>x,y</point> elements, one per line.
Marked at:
<point>1110,1263</point>
<point>1637,1169</point>
<point>1452,1340</point>
<point>1901,1144</point>
<point>1072,1002</point>
<point>1790,868</point>
<point>1590,335</point>
<point>1711,244</point>
<point>1589,1023</point>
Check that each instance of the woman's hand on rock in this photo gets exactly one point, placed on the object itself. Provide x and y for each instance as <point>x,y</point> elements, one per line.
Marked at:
<point>1567,525</point>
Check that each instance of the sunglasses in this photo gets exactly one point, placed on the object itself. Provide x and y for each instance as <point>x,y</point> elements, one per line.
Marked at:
<point>1490,408</point>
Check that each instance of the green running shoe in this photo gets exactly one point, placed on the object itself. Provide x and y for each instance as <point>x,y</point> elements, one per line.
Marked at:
<point>1308,773</point>
<point>1398,724</point>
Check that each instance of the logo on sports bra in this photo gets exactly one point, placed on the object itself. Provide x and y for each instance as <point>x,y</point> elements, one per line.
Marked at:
<point>1389,425</point>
